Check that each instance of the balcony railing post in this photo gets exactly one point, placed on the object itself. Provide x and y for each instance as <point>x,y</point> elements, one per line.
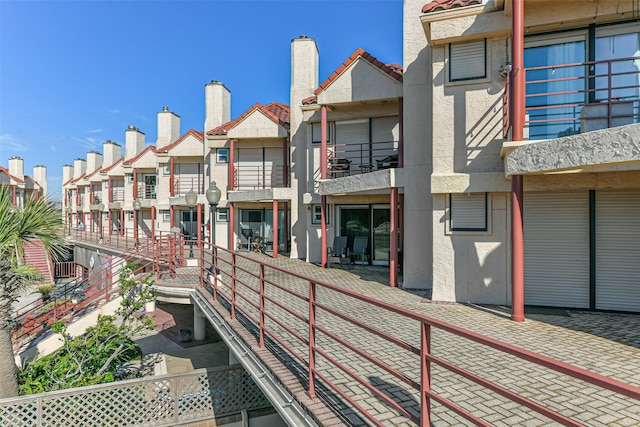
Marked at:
<point>261,343</point>
<point>312,339</point>
<point>233,285</point>
<point>610,103</point>
<point>425,375</point>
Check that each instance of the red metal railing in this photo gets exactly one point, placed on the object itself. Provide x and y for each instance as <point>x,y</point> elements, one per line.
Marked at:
<point>67,300</point>
<point>146,191</point>
<point>567,99</point>
<point>253,292</point>
<point>358,158</point>
<point>249,177</point>
<point>184,184</point>
<point>117,194</point>
<point>64,270</point>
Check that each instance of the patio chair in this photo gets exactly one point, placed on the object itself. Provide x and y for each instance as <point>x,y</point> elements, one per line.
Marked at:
<point>388,162</point>
<point>338,252</point>
<point>359,251</point>
<point>247,233</point>
<point>339,167</point>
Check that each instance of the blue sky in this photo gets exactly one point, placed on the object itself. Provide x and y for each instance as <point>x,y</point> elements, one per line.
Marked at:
<point>74,74</point>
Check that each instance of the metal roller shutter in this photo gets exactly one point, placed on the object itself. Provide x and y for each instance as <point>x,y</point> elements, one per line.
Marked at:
<point>556,247</point>
<point>617,254</point>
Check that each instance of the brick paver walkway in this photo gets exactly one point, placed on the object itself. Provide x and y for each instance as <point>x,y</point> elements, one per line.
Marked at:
<point>608,344</point>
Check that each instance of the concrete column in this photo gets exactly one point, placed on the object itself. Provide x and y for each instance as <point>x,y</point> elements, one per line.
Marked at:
<point>323,142</point>
<point>393,250</point>
<point>275,229</point>
<point>232,160</point>
<point>199,325</point>
<point>323,222</point>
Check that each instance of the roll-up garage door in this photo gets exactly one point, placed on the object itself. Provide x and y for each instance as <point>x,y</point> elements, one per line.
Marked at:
<point>556,247</point>
<point>618,250</point>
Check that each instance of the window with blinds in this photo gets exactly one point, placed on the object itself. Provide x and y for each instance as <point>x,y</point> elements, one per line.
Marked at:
<point>468,212</point>
<point>468,60</point>
<point>316,133</point>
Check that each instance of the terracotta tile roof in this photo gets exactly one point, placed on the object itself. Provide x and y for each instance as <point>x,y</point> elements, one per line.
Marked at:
<point>394,71</point>
<point>133,159</point>
<point>310,100</point>
<point>94,172</point>
<point>79,178</point>
<point>193,132</point>
<point>15,178</point>
<point>278,112</point>
<point>108,168</point>
<point>438,5</point>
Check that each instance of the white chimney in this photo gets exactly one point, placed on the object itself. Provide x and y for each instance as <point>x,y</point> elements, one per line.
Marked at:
<point>112,151</point>
<point>134,142</point>
<point>217,100</point>
<point>79,168</point>
<point>16,167</point>
<point>40,175</point>
<point>304,70</point>
<point>94,161</point>
<point>67,173</point>
<point>168,127</point>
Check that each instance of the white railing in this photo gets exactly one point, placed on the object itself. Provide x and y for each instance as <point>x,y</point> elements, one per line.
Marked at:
<point>151,401</point>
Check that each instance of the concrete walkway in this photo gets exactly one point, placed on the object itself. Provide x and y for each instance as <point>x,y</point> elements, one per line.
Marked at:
<point>608,344</point>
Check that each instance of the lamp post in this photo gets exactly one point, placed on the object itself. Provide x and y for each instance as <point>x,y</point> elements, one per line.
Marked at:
<point>136,206</point>
<point>213,197</point>
<point>191,197</point>
<point>100,208</point>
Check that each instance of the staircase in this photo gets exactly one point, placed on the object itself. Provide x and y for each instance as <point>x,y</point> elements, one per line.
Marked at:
<point>36,256</point>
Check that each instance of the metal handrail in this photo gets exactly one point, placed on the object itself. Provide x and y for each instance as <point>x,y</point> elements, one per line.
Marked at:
<point>234,290</point>
<point>361,157</point>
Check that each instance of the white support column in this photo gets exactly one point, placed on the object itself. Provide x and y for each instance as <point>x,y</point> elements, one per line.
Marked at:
<point>199,325</point>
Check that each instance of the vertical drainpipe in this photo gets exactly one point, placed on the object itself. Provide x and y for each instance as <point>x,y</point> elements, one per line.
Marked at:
<point>232,161</point>
<point>110,190</point>
<point>231,225</point>
<point>91,193</point>
<point>122,222</point>
<point>199,222</point>
<point>171,215</point>
<point>172,190</point>
<point>135,184</point>
<point>393,256</point>
<point>517,232</point>
<point>323,175</point>
<point>153,221</point>
<point>274,240</point>
<point>400,133</point>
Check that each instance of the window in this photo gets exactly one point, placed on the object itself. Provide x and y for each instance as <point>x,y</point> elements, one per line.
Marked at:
<point>129,177</point>
<point>468,60</point>
<point>222,215</point>
<point>166,215</point>
<point>130,215</point>
<point>316,133</point>
<point>222,155</point>
<point>316,214</point>
<point>468,212</point>
<point>166,171</point>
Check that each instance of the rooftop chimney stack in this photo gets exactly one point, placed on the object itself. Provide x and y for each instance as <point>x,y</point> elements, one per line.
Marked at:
<point>112,151</point>
<point>16,167</point>
<point>79,168</point>
<point>40,175</point>
<point>217,99</point>
<point>134,142</point>
<point>168,127</point>
<point>94,161</point>
<point>67,173</point>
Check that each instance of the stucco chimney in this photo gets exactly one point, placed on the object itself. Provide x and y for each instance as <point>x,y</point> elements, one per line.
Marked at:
<point>134,142</point>
<point>111,152</point>
<point>79,168</point>
<point>16,167</point>
<point>217,100</point>
<point>168,127</point>
<point>304,70</point>
<point>67,173</point>
<point>94,161</point>
<point>40,175</point>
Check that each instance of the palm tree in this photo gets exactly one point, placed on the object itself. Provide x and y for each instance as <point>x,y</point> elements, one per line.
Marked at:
<point>38,219</point>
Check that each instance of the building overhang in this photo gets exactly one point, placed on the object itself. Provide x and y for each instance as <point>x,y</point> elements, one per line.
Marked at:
<point>267,194</point>
<point>490,182</point>
<point>601,150</point>
<point>378,180</point>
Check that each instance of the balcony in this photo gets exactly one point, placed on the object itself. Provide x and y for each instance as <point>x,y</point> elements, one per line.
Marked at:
<point>359,158</point>
<point>254,177</point>
<point>117,194</point>
<point>568,99</point>
<point>146,191</point>
<point>182,184</point>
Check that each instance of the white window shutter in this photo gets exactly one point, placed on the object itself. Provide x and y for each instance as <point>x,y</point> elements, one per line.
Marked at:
<point>468,212</point>
<point>467,60</point>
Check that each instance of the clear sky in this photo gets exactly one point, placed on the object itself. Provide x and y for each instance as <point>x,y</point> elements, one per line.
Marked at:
<point>74,74</point>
